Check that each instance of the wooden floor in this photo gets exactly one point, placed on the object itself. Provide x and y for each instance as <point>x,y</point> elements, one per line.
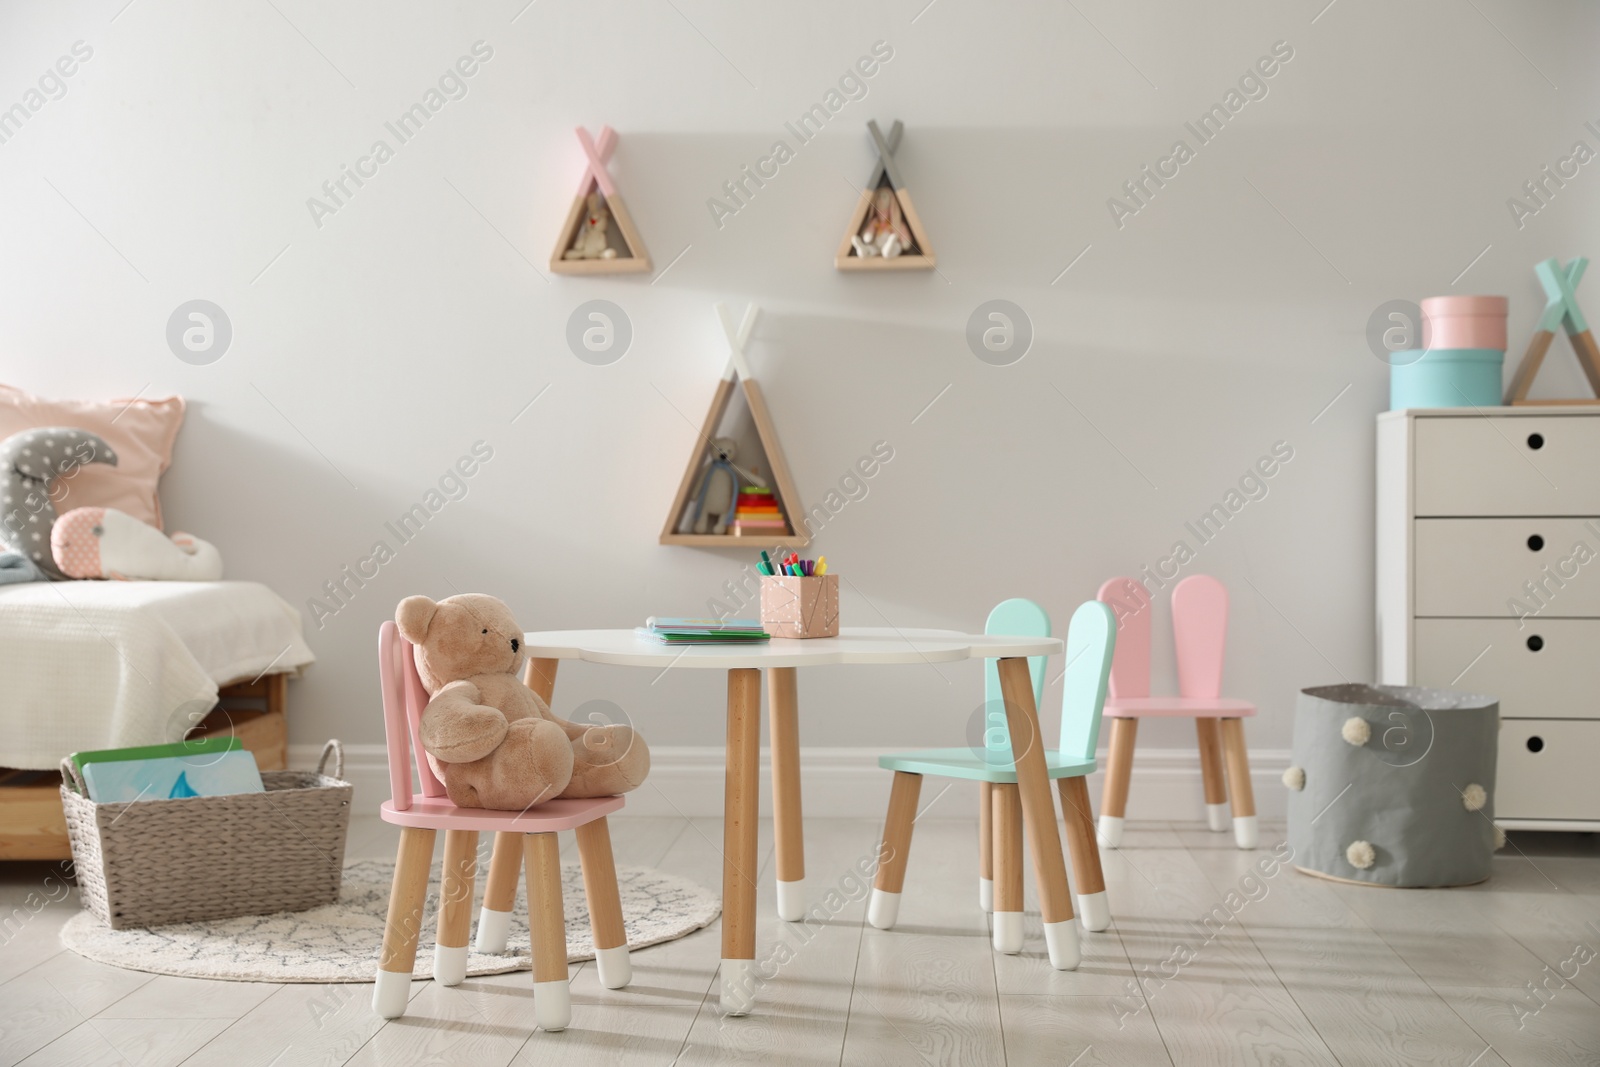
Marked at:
<point>1208,962</point>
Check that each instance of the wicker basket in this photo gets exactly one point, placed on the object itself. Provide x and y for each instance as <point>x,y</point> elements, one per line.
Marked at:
<point>151,862</point>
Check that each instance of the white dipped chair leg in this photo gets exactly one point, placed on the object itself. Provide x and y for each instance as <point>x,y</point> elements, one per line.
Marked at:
<point>494,929</point>
<point>1110,831</point>
<point>1061,939</point>
<point>1217,817</point>
<point>1095,911</point>
<point>883,909</point>
<point>986,893</point>
<point>1008,932</point>
<point>552,1004</point>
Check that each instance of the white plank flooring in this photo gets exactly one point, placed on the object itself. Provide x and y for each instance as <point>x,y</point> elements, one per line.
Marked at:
<point>1208,963</point>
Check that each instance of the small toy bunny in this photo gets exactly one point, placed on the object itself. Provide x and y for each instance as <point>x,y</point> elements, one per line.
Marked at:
<point>590,243</point>
<point>885,233</point>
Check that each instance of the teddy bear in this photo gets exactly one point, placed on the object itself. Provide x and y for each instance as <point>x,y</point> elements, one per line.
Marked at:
<point>590,242</point>
<point>491,740</point>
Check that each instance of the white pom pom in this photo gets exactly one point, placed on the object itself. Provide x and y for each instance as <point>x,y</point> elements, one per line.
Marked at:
<point>1499,839</point>
<point>1473,798</point>
<point>1356,730</point>
<point>1295,778</point>
<point>1361,854</point>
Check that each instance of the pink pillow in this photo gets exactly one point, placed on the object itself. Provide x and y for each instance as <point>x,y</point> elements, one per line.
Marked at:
<point>141,432</point>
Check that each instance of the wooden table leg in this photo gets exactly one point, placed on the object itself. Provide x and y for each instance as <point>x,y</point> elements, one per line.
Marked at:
<point>540,676</point>
<point>783,713</point>
<point>547,926</point>
<point>884,907</point>
<point>500,894</point>
<point>1216,790</point>
<point>605,904</point>
<point>1039,815</point>
<point>741,808</point>
<point>1093,908</point>
<point>1007,832</point>
<point>407,895</point>
<point>1245,832</point>
<point>985,846</point>
<point>455,906</point>
<point>1119,769</point>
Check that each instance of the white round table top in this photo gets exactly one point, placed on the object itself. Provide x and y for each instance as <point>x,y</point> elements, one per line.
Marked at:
<point>855,644</point>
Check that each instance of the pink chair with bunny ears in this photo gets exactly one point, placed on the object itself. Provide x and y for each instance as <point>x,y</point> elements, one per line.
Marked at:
<point>521,837</point>
<point>1199,630</point>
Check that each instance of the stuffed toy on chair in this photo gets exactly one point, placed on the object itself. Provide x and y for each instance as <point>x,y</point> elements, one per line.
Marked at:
<point>107,543</point>
<point>491,740</point>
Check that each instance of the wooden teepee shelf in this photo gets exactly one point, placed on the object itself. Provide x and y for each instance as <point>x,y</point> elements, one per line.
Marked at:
<point>886,177</point>
<point>622,237</point>
<point>1561,311</point>
<point>738,374</point>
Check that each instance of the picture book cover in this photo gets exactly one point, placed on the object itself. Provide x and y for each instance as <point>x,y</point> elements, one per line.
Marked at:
<point>208,774</point>
<point>193,747</point>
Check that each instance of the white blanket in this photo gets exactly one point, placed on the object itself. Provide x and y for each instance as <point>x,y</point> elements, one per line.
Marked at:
<point>87,665</point>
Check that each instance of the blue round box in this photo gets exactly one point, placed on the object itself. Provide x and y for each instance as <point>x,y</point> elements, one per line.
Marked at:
<point>1445,378</point>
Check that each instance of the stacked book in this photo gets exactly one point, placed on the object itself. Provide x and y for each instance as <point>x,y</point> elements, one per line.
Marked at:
<point>673,631</point>
<point>204,767</point>
<point>756,512</point>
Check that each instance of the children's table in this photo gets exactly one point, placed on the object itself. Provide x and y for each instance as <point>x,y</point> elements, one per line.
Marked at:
<point>741,801</point>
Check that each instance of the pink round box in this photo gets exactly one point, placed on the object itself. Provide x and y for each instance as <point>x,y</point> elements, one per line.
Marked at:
<point>1464,322</point>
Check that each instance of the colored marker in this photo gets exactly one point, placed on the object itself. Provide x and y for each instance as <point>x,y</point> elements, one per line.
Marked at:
<point>822,565</point>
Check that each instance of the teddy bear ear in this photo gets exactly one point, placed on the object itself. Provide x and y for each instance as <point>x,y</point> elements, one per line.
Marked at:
<point>413,617</point>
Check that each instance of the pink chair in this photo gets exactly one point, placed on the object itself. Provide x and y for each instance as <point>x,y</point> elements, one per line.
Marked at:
<point>421,815</point>
<point>1199,629</point>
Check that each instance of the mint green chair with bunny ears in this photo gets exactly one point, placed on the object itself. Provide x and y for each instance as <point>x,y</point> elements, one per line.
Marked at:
<point>1091,641</point>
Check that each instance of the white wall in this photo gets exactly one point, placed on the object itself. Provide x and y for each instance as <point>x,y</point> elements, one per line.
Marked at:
<point>377,348</point>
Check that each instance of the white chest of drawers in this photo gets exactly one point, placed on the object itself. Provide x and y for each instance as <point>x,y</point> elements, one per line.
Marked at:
<point>1488,580</point>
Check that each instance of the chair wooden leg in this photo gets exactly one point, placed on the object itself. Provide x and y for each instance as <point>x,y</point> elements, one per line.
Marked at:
<point>985,846</point>
<point>1245,832</point>
<point>1119,769</point>
<point>741,808</point>
<point>500,894</point>
<point>1039,823</point>
<point>552,998</point>
<point>605,904</point>
<point>1210,734</point>
<point>1007,832</point>
<point>1092,906</point>
<point>783,721</point>
<point>455,906</point>
<point>884,907</point>
<point>407,895</point>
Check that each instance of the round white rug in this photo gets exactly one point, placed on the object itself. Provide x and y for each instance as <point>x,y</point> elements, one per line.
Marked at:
<point>340,942</point>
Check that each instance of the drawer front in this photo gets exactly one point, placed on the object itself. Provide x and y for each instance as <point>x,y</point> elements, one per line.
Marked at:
<point>1546,770</point>
<point>1484,567</point>
<point>1490,465</point>
<point>1544,668</point>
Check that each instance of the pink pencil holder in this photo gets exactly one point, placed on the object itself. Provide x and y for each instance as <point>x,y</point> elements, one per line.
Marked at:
<point>800,607</point>
<point>1464,322</point>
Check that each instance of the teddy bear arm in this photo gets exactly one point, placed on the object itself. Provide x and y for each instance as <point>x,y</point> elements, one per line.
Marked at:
<point>456,728</point>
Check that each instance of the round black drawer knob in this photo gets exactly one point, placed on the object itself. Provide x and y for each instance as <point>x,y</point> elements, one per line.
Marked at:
<point>1536,744</point>
<point>1535,643</point>
<point>1536,441</point>
<point>1535,543</point>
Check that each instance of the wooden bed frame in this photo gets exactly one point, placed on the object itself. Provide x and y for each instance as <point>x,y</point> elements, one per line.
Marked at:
<point>32,825</point>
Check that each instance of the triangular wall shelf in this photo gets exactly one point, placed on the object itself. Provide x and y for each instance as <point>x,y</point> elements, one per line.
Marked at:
<point>885,220</point>
<point>617,248</point>
<point>1560,311</point>
<point>685,503</point>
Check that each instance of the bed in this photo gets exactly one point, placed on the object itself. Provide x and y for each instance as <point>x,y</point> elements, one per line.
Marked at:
<point>105,664</point>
